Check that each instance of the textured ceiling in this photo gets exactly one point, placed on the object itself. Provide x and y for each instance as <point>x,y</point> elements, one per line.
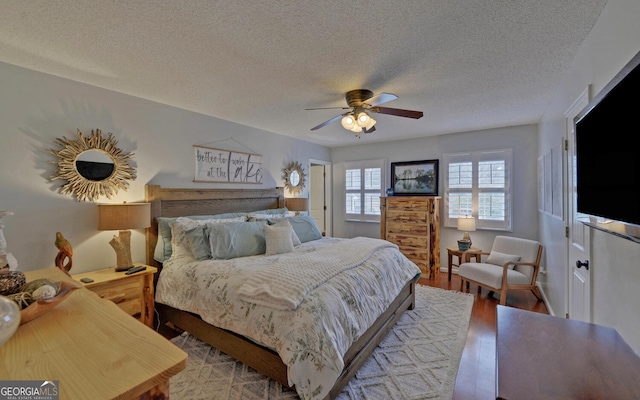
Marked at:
<point>467,64</point>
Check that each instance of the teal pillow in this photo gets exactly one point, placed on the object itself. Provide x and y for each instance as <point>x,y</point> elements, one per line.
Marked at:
<point>198,242</point>
<point>236,239</point>
<point>162,251</point>
<point>305,227</point>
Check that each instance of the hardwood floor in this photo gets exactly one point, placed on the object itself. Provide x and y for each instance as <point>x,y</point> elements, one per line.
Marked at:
<point>476,375</point>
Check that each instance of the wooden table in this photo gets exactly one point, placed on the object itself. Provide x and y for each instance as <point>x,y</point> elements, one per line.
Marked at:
<point>544,357</point>
<point>463,256</point>
<point>92,348</point>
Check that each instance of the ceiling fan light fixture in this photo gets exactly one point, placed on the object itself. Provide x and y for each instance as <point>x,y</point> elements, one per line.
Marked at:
<point>348,122</point>
<point>365,121</point>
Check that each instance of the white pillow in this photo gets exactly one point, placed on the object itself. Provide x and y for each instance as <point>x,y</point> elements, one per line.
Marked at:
<point>497,258</point>
<point>294,237</point>
<point>179,244</point>
<point>278,239</point>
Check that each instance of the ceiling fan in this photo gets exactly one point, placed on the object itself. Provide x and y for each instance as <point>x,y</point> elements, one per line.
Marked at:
<point>362,102</point>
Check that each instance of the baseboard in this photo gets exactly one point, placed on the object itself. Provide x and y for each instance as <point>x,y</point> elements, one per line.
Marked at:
<point>545,300</point>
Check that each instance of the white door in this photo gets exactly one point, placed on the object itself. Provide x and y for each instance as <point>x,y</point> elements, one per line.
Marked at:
<point>579,273</point>
<point>320,195</point>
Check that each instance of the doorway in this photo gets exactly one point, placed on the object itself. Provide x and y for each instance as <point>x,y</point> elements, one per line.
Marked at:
<point>320,195</point>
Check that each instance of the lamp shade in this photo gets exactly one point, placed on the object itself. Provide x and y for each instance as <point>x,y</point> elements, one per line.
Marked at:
<point>124,216</point>
<point>466,224</point>
<point>296,203</point>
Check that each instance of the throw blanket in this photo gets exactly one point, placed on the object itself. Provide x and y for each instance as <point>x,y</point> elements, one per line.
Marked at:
<point>284,286</point>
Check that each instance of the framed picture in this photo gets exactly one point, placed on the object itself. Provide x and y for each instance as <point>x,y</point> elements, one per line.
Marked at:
<point>415,178</point>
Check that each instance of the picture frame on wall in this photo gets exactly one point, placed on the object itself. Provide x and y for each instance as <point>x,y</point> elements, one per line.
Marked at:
<point>415,178</point>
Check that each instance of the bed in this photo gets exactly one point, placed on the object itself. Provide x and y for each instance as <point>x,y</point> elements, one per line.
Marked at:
<point>258,353</point>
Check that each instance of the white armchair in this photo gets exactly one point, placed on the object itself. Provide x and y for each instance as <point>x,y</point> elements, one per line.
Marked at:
<point>513,264</point>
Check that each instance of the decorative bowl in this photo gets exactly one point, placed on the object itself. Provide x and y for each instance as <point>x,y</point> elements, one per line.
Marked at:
<point>9,318</point>
<point>464,245</point>
<point>37,308</point>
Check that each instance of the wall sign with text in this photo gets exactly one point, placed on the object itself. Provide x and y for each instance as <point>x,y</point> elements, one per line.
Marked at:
<point>217,165</point>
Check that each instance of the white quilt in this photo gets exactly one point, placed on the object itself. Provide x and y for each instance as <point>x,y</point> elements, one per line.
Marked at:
<point>312,338</point>
<point>284,285</point>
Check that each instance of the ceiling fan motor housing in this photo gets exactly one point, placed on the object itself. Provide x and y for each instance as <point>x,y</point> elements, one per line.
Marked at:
<point>355,98</point>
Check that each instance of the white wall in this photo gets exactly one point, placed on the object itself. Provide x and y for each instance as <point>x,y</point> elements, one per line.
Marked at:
<point>615,283</point>
<point>522,139</point>
<point>36,108</point>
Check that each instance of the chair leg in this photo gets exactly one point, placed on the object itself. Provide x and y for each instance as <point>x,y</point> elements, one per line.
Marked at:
<point>461,284</point>
<point>537,293</point>
<point>503,297</point>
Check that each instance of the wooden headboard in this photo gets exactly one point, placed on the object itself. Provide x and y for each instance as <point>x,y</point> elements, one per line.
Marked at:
<point>171,202</point>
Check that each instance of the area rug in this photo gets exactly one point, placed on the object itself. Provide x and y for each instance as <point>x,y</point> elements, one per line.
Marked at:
<point>418,359</point>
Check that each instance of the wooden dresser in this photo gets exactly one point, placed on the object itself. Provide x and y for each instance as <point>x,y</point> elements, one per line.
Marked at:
<point>413,223</point>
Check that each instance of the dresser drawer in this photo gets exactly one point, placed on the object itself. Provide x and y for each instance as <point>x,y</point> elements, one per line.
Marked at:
<point>120,291</point>
<point>422,264</point>
<point>415,253</point>
<point>408,229</point>
<point>407,217</point>
<point>407,240</point>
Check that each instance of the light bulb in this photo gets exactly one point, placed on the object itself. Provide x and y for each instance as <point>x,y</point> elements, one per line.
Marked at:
<point>348,122</point>
<point>363,119</point>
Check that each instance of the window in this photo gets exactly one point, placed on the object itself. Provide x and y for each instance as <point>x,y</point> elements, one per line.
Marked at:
<point>363,188</point>
<point>478,183</point>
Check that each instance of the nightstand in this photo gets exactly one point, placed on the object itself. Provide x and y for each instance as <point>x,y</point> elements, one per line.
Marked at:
<point>132,293</point>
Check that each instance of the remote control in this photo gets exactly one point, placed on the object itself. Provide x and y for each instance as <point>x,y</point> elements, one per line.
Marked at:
<point>133,270</point>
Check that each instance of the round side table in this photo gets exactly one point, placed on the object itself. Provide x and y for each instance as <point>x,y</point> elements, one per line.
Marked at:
<point>463,256</point>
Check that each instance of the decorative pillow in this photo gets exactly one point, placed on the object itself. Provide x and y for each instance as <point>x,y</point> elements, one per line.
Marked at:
<point>236,239</point>
<point>284,222</point>
<point>163,251</point>
<point>181,225</point>
<point>278,239</point>
<point>497,258</point>
<point>198,242</point>
<point>268,214</point>
<point>305,227</point>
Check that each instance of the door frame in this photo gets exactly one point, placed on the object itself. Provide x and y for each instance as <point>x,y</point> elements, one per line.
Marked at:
<point>581,101</point>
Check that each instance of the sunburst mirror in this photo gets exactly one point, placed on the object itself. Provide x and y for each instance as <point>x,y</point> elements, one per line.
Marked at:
<point>92,166</point>
<point>294,178</point>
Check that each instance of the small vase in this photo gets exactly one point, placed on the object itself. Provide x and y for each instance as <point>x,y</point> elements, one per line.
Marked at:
<point>7,260</point>
<point>9,318</point>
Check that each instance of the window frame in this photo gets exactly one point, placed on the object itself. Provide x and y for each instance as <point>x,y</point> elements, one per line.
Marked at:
<point>475,157</point>
<point>362,165</point>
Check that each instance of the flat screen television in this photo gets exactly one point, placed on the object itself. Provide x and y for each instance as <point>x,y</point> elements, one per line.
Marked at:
<point>607,153</point>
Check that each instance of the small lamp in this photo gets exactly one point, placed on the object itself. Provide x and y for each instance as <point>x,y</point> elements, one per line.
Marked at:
<point>123,217</point>
<point>466,224</point>
<point>296,204</point>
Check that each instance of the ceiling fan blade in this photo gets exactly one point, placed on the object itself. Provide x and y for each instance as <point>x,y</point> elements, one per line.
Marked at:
<point>329,108</point>
<point>379,99</point>
<point>337,117</point>
<point>398,112</point>
<point>373,128</point>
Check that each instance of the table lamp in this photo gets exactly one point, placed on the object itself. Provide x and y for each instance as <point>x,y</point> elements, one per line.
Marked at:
<point>296,204</point>
<point>466,224</point>
<point>123,217</point>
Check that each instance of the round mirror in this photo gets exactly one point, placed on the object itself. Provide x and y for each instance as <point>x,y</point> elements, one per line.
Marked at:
<point>294,178</point>
<point>92,166</point>
<point>95,165</point>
